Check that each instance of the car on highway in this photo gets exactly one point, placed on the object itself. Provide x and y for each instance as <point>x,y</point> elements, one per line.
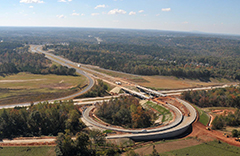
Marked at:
<point>144,131</point>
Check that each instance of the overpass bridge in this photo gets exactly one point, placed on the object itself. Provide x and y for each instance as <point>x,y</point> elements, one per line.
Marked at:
<point>153,92</point>
<point>134,93</point>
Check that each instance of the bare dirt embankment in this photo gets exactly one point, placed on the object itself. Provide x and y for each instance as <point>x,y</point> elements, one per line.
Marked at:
<point>199,131</point>
<point>29,141</point>
<point>10,81</point>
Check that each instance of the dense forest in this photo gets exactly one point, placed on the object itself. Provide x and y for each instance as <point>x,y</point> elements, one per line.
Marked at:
<point>144,52</point>
<point>221,97</point>
<point>194,57</point>
<point>61,119</point>
<point>126,112</point>
<point>40,119</point>
<point>14,58</point>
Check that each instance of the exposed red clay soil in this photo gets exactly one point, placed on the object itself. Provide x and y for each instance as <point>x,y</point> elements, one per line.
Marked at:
<point>223,112</point>
<point>29,144</point>
<point>199,131</point>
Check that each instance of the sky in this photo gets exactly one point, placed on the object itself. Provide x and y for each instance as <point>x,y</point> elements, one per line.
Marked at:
<point>211,16</point>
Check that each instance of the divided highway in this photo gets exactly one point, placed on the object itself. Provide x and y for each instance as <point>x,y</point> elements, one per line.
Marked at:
<point>69,64</point>
<point>179,126</point>
<point>64,62</point>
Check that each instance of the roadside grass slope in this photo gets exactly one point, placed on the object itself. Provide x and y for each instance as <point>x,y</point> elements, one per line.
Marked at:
<point>28,151</point>
<point>213,148</point>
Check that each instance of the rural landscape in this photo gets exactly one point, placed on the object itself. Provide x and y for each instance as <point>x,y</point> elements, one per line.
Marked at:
<point>119,82</point>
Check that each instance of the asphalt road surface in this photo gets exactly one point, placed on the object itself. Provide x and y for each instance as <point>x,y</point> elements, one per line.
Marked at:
<point>185,123</point>
<point>178,120</point>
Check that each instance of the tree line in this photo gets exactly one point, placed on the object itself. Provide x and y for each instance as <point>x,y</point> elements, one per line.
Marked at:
<point>91,142</point>
<point>61,119</point>
<point>188,61</point>
<point>221,97</point>
<point>15,58</point>
<point>40,119</point>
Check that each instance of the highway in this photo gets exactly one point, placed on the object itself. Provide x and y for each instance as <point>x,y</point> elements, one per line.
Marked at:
<point>69,64</point>
<point>191,89</point>
<point>178,126</point>
<point>87,101</point>
<point>64,62</point>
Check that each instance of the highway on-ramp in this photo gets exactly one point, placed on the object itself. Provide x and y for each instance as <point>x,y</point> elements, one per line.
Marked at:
<point>178,120</point>
<point>179,126</point>
<point>168,133</point>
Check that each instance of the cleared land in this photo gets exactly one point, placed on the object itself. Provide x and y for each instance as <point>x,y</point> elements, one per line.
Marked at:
<point>167,82</point>
<point>25,87</point>
<point>27,151</point>
<point>157,82</point>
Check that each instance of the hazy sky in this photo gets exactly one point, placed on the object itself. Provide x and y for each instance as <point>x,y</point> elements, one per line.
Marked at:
<point>215,16</point>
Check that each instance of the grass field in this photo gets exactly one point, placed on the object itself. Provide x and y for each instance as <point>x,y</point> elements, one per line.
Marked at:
<point>27,151</point>
<point>133,78</point>
<point>213,148</point>
<point>25,87</point>
<point>170,82</point>
<point>158,82</point>
<point>167,116</point>
<point>203,117</point>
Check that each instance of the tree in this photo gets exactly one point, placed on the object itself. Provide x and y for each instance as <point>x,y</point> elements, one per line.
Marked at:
<point>218,122</point>
<point>81,145</point>
<point>74,123</point>
<point>235,133</point>
<point>132,153</point>
<point>97,137</point>
<point>68,147</point>
<point>154,152</point>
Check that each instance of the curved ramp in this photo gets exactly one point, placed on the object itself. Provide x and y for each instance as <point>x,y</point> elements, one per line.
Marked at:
<point>169,133</point>
<point>177,121</point>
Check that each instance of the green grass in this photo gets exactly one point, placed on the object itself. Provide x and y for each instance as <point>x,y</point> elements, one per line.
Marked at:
<point>107,131</point>
<point>25,87</point>
<point>162,111</point>
<point>213,148</point>
<point>203,117</point>
<point>27,151</point>
<point>130,77</point>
